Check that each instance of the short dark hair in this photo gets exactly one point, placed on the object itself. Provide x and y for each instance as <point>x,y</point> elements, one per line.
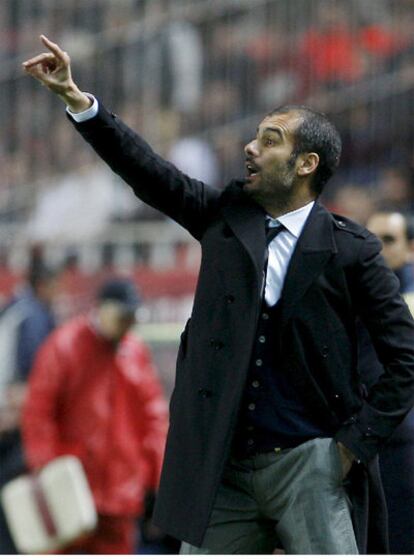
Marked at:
<point>120,290</point>
<point>315,133</point>
<point>39,273</point>
<point>387,210</point>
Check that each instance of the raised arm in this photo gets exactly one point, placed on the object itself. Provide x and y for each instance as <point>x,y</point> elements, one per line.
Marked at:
<point>155,181</point>
<point>52,69</point>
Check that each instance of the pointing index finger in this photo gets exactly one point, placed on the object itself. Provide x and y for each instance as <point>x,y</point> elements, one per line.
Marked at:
<point>53,47</point>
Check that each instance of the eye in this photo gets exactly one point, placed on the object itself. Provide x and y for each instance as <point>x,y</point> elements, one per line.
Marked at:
<point>269,142</point>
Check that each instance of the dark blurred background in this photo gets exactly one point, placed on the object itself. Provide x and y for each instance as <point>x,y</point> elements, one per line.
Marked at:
<point>195,77</point>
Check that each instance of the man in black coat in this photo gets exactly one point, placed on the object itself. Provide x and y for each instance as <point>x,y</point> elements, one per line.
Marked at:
<point>271,438</point>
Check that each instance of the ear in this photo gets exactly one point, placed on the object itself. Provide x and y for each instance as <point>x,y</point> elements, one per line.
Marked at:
<point>307,164</point>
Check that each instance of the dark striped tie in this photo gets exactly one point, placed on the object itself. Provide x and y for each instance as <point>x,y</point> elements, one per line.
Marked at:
<point>272,232</point>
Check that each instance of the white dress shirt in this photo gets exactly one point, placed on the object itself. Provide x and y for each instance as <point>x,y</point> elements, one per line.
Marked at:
<point>89,113</point>
<point>281,247</point>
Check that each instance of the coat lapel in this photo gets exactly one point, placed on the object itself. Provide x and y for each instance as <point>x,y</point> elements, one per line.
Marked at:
<point>247,221</point>
<point>314,248</point>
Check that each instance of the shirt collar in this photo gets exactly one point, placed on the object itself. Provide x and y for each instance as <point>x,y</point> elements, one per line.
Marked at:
<point>293,221</point>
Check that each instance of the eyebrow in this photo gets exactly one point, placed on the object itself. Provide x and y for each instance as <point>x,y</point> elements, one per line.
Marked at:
<point>271,129</point>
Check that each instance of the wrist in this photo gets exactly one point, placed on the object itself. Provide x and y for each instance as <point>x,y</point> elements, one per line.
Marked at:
<point>75,99</point>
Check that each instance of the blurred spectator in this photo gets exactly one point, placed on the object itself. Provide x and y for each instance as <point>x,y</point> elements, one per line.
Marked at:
<point>364,141</point>
<point>230,75</point>
<point>195,157</point>
<point>228,145</point>
<point>173,58</point>
<point>386,32</point>
<point>273,49</point>
<point>182,66</point>
<point>396,189</point>
<point>380,41</point>
<point>409,218</point>
<point>397,458</point>
<point>392,230</point>
<point>25,322</point>
<point>353,201</point>
<point>329,47</point>
<point>94,393</point>
<point>76,288</point>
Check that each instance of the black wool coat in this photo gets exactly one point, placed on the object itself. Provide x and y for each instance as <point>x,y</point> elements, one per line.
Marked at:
<point>336,274</point>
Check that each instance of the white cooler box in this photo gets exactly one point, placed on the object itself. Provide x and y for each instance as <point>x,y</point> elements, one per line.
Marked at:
<point>50,509</point>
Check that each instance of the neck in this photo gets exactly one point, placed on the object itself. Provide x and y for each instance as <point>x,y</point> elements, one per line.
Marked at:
<point>278,208</point>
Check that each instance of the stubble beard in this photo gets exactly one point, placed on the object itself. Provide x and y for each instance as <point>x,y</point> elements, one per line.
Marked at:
<point>276,193</point>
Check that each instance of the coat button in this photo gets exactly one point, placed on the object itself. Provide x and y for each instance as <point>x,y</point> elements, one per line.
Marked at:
<point>204,393</point>
<point>255,384</point>
<point>216,344</point>
<point>259,362</point>
<point>262,339</point>
<point>230,298</point>
<point>325,351</point>
<point>251,406</point>
<point>265,316</point>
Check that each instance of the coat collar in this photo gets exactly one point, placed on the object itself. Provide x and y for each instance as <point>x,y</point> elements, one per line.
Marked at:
<point>314,248</point>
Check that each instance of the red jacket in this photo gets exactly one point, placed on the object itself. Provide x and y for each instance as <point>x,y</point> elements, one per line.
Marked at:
<point>102,404</point>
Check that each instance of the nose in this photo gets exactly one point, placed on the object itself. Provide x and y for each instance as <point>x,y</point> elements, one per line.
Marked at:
<point>251,149</point>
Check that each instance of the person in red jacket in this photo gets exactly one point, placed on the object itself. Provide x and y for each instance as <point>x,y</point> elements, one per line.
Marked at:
<point>94,393</point>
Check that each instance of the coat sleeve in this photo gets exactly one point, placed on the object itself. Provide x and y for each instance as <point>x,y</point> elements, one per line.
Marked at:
<point>386,316</point>
<point>153,419</point>
<point>154,180</point>
<point>40,430</point>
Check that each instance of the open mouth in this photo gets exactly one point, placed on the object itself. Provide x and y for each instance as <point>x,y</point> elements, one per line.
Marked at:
<point>252,170</point>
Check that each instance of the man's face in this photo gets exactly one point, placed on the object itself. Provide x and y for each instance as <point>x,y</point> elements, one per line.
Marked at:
<point>113,321</point>
<point>391,230</point>
<point>271,172</point>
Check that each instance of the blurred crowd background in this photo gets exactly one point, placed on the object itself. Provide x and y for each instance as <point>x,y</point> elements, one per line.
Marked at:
<point>195,77</point>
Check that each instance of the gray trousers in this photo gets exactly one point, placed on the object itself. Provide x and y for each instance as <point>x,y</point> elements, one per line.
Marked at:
<point>292,499</point>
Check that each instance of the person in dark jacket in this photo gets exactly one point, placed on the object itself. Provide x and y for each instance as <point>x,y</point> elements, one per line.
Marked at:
<point>270,436</point>
<point>397,457</point>
<point>25,322</point>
